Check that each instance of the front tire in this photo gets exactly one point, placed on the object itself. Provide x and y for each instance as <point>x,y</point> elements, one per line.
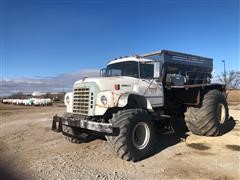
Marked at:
<point>135,137</point>
<point>211,118</point>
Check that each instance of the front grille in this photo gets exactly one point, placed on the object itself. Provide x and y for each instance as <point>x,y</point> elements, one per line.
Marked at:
<point>81,100</point>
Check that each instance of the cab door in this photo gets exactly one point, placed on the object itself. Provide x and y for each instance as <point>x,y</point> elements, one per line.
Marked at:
<point>151,88</point>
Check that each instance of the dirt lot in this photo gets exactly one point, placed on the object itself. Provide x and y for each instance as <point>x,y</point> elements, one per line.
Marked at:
<point>30,150</point>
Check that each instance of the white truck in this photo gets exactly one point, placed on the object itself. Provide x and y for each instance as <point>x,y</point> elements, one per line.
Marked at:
<point>134,94</point>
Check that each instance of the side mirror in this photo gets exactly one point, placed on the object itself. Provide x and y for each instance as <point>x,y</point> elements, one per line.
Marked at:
<point>157,70</point>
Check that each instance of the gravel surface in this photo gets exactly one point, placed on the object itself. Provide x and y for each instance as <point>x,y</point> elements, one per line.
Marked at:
<point>30,150</point>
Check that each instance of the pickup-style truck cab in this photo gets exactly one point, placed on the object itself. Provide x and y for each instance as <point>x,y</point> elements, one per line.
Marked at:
<point>122,78</point>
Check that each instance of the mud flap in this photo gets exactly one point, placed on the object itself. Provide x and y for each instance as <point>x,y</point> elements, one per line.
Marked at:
<point>57,124</point>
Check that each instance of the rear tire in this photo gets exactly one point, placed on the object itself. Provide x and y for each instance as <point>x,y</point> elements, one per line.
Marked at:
<point>211,118</point>
<point>135,137</point>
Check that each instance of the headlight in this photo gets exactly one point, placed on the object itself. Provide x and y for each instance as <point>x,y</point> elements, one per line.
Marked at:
<point>68,99</point>
<point>104,100</point>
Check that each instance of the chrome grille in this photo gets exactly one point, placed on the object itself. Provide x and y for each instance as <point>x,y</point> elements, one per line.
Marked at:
<point>81,100</point>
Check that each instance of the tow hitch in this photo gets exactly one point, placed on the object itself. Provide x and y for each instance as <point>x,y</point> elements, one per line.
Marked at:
<point>57,124</point>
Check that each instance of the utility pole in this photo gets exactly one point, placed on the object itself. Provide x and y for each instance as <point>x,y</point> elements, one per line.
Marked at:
<point>225,75</point>
<point>63,89</point>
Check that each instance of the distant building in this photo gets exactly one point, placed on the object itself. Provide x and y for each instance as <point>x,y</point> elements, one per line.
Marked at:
<point>37,93</point>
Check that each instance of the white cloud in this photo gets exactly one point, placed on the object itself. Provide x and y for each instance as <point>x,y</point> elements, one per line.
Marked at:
<point>44,84</point>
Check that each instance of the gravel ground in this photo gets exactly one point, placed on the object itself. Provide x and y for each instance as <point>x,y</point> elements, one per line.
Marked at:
<point>30,150</point>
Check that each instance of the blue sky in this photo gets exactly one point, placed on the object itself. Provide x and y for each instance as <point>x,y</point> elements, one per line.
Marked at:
<point>48,38</point>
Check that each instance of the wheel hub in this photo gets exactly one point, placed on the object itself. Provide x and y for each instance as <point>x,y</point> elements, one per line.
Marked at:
<point>221,113</point>
<point>140,135</point>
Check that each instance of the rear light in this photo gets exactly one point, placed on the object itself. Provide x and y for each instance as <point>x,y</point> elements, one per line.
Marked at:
<point>117,86</point>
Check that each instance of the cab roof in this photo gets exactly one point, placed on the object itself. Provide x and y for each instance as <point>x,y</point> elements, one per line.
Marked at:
<point>131,58</point>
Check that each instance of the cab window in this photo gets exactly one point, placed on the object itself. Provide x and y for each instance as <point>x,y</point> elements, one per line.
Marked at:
<point>146,71</point>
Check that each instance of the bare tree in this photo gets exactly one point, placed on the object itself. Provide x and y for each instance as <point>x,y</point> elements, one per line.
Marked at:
<point>231,79</point>
<point>17,95</point>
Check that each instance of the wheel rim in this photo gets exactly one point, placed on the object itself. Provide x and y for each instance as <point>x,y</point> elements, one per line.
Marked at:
<point>221,113</point>
<point>140,135</point>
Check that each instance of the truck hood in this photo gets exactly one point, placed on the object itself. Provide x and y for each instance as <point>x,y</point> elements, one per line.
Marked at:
<point>108,83</point>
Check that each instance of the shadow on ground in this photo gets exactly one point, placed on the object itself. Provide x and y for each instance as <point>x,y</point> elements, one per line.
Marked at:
<point>8,170</point>
<point>7,173</point>
<point>165,138</point>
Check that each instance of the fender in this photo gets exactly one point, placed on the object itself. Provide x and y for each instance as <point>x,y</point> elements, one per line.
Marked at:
<point>135,100</point>
<point>120,100</point>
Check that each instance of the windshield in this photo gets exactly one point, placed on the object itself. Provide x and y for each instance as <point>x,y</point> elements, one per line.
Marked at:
<point>131,69</point>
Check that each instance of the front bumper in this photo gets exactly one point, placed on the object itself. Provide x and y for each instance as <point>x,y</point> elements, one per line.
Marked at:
<point>81,123</point>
